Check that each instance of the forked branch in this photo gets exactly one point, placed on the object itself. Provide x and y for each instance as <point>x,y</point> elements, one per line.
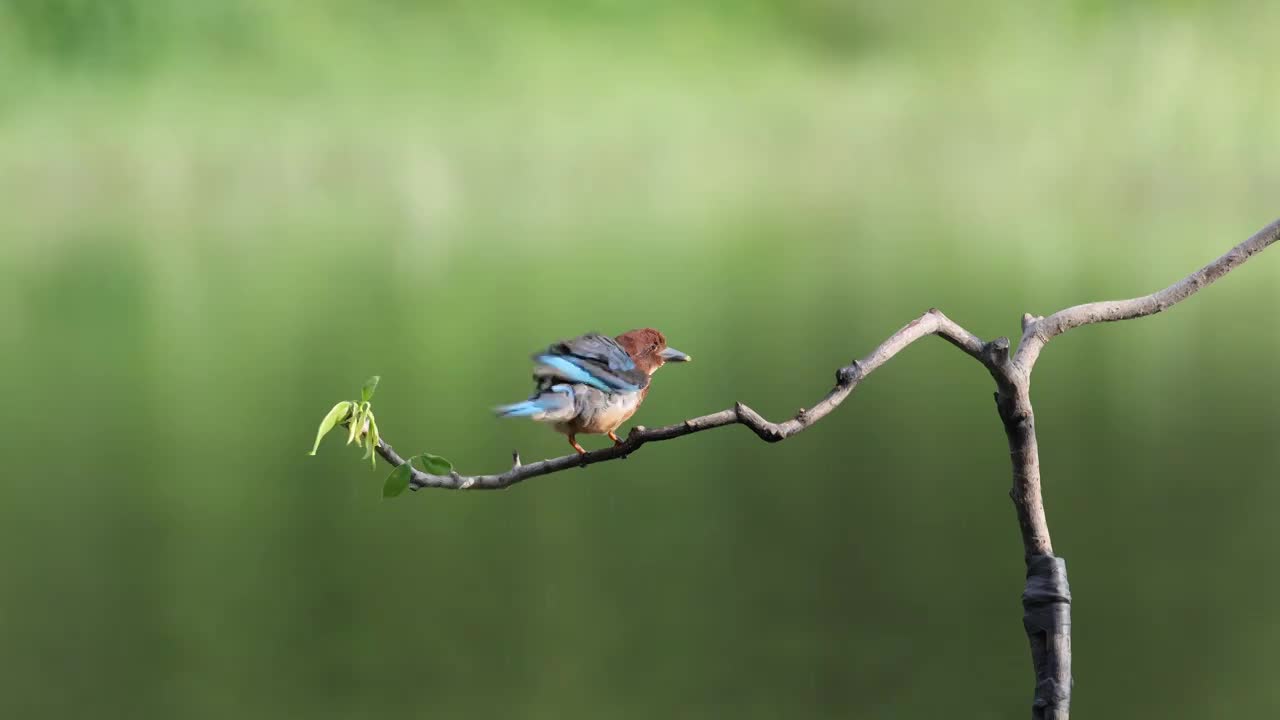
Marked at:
<point>1046,598</point>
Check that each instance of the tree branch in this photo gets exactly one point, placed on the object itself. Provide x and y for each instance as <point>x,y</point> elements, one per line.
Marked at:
<point>1039,331</point>
<point>932,322</point>
<point>1046,601</point>
<point>1046,598</point>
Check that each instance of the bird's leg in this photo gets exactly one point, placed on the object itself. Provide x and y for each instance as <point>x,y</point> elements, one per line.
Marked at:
<point>614,437</point>
<point>574,442</point>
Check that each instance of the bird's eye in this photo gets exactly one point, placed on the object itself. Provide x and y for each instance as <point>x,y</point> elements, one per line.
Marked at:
<point>653,348</point>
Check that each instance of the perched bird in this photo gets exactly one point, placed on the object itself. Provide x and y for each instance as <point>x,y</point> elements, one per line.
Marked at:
<point>593,383</point>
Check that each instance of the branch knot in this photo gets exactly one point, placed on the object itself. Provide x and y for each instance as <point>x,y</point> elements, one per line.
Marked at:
<point>997,353</point>
<point>849,375</point>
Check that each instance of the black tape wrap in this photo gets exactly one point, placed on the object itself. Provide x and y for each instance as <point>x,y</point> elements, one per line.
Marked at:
<point>1046,605</point>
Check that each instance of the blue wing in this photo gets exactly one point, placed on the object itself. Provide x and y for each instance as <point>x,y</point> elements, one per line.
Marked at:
<point>592,359</point>
<point>596,348</point>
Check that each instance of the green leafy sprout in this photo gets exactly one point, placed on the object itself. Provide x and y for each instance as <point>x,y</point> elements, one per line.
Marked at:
<point>362,429</point>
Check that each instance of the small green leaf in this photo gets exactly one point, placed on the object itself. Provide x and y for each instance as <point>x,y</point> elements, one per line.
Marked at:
<point>357,422</point>
<point>335,416</point>
<point>366,392</point>
<point>398,481</point>
<point>435,464</point>
<point>366,441</point>
<point>374,440</point>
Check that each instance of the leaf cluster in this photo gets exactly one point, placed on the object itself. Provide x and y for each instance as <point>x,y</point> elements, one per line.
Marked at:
<point>362,429</point>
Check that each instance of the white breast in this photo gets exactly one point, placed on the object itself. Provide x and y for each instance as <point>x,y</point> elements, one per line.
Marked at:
<point>604,412</point>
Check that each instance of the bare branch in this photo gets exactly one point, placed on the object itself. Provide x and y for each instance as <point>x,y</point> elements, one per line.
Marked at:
<point>1038,332</point>
<point>1047,596</point>
<point>932,322</point>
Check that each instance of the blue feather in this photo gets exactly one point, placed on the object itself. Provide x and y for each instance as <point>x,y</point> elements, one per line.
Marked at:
<point>543,402</point>
<point>569,370</point>
<point>520,409</point>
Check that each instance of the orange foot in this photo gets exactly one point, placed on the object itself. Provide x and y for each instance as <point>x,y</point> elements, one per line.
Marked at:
<point>574,442</point>
<point>614,437</point>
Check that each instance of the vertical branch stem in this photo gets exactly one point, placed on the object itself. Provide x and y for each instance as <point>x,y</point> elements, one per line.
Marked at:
<point>1046,599</point>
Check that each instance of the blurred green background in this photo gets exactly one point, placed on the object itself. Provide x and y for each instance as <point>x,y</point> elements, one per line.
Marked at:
<point>218,217</point>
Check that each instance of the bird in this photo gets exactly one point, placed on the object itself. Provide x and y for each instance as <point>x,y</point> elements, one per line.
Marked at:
<point>593,383</point>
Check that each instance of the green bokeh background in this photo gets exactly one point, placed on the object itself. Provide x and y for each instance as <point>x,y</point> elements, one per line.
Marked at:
<point>217,218</point>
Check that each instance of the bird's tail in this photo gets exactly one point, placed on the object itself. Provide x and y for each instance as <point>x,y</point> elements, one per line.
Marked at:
<point>554,403</point>
<point>528,408</point>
